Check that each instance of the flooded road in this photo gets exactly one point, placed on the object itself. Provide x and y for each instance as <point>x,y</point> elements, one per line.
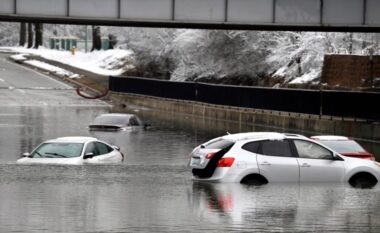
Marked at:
<point>152,190</point>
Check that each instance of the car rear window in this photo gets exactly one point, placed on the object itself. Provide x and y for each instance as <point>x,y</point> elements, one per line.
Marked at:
<point>343,146</point>
<point>251,146</point>
<point>218,144</point>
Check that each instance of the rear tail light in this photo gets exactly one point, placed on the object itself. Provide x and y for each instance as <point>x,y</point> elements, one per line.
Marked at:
<point>225,162</point>
<point>210,155</point>
<point>368,156</point>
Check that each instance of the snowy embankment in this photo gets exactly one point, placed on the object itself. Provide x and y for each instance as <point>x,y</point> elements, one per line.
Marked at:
<point>104,62</point>
<point>53,69</point>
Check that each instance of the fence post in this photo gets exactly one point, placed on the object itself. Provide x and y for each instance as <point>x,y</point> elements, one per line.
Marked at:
<point>196,91</point>
<point>320,103</point>
<point>110,82</point>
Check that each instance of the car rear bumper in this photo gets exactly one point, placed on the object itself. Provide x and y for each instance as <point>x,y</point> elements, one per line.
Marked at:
<point>221,174</point>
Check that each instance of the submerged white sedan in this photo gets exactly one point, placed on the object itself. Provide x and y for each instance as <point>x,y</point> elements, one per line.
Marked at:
<point>269,157</point>
<point>73,150</point>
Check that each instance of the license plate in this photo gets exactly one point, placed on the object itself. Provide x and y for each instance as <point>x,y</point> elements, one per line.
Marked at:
<point>195,162</point>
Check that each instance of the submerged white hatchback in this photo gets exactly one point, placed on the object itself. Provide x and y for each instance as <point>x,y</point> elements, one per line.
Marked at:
<point>269,157</point>
<point>73,150</point>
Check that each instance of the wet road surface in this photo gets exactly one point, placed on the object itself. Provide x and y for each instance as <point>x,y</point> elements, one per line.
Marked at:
<point>22,86</point>
<point>152,190</point>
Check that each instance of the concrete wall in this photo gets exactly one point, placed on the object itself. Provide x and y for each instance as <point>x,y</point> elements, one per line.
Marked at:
<point>307,123</point>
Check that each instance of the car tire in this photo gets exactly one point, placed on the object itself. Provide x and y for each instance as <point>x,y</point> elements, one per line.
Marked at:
<point>254,180</point>
<point>363,181</point>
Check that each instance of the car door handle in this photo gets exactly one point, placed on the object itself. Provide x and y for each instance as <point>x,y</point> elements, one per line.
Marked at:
<point>305,165</point>
<point>265,163</point>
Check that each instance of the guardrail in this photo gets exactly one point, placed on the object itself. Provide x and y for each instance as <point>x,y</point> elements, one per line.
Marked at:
<point>344,104</point>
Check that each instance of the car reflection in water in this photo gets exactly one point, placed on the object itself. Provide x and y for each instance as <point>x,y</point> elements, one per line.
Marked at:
<point>297,207</point>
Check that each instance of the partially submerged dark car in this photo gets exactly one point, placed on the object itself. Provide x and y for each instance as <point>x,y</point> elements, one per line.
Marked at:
<point>116,121</point>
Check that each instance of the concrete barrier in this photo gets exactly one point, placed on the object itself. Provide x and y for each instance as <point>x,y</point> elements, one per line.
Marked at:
<point>310,124</point>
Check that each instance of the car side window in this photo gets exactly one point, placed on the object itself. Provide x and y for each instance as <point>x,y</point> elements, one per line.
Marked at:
<point>91,148</point>
<point>279,148</point>
<point>251,147</point>
<point>103,148</point>
<point>133,121</point>
<point>311,150</point>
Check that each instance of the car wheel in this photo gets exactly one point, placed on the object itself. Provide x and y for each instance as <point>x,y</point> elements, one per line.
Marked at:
<point>363,181</point>
<point>254,180</point>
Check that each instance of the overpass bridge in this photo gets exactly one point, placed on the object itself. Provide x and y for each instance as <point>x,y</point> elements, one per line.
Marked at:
<point>308,15</point>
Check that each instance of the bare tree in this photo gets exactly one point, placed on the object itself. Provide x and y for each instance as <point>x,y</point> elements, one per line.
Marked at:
<point>96,39</point>
<point>112,41</point>
<point>22,34</point>
<point>30,35</point>
<point>38,28</point>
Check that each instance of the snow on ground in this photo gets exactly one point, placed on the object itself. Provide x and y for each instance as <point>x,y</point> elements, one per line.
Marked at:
<point>307,77</point>
<point>18,57</point>
<point>53,69</point>
<point>104,62</point>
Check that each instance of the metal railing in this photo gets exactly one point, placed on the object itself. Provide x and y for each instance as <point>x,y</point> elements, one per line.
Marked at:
<point>343,104</point>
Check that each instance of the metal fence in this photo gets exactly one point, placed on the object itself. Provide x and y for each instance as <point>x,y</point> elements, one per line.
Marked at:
<point>345,104</point>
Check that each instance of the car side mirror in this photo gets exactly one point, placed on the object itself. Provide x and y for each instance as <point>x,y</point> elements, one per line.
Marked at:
<point>88,155</point>
<point>26,154</point>
<point>116,147</point>
<point>336,157</point>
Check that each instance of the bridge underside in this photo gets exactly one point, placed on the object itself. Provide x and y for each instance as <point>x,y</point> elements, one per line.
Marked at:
<point>305,15</point>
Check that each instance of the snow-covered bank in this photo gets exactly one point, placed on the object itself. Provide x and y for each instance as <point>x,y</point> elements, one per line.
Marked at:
<point>53,69</point>
<point>105,62</point>
<point>23,58</point>
<point>253,58</point>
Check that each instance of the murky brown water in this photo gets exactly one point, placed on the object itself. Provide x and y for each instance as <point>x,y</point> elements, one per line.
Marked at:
<point>153,191</point>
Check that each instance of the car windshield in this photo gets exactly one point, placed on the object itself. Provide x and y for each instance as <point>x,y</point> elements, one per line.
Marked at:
<point>58,150</point>
<point>218,144</point>
<point>111,120</point>
<point>341,146</point>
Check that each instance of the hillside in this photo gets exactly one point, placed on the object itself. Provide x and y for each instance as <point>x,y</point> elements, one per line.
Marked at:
<point>233,57</point>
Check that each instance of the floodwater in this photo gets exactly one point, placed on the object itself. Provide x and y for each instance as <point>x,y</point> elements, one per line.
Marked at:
<point>152,190</point>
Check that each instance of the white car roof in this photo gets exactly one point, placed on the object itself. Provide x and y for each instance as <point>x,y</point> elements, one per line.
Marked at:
<point>253,135</point>
<point>73,139</point>
<point>329,138</point>
<point>261,135</point>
